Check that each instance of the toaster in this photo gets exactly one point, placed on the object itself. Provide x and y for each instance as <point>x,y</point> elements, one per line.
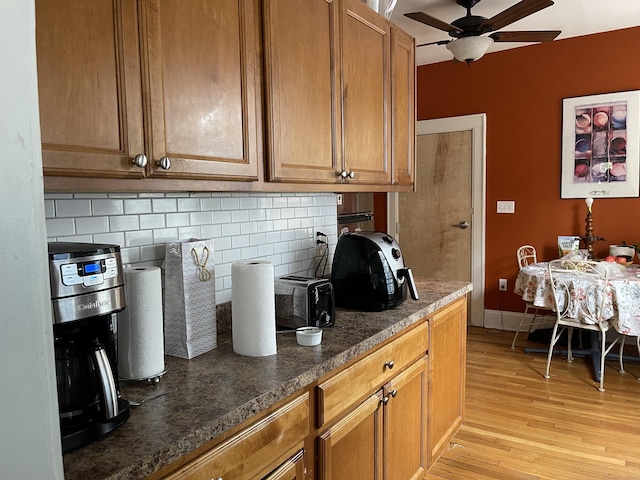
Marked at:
<point>303,302</point>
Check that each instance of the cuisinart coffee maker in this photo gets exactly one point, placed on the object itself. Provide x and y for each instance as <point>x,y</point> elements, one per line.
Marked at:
<point>87,289</point>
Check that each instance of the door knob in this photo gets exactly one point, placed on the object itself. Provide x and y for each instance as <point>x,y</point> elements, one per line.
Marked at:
<point>164,163</point>
<point>140,160</point>
<point>463,225</point>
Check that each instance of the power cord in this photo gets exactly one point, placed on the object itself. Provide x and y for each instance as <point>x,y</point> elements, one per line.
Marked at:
<point>325,253</point>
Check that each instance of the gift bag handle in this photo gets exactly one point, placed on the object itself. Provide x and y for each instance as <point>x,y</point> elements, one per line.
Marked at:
<point>203,273</point>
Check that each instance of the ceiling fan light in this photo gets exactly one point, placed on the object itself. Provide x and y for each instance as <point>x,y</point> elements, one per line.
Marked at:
<point>469,49</point>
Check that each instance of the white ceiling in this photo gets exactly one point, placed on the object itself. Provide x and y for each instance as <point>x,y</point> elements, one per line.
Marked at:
<point>573,17</point>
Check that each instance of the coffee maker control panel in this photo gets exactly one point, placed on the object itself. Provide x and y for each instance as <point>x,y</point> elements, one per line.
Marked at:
<point>89,273</point>
<point>86,280</point>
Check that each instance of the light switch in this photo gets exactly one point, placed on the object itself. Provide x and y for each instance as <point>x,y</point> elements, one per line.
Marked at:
<point>506,206</point>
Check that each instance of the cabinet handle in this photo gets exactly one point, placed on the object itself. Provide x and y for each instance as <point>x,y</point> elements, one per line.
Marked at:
<point>164,163</point>
<point>351,174</point>
<point>389,364</point>
<point>140,160</point>
<point>384,400</point>
<point>343,174</point>
<point>393,393</point>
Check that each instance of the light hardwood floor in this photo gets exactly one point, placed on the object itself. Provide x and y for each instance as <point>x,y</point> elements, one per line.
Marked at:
<point>520,425</point>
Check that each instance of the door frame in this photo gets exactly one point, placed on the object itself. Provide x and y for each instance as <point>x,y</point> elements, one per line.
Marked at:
<point>477,125</point>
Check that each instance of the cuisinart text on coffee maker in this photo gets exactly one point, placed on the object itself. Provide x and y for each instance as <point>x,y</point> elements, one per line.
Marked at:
<point>87,289</point>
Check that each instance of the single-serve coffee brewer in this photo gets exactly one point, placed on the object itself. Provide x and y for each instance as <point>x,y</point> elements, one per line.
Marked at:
<point>87,289</point>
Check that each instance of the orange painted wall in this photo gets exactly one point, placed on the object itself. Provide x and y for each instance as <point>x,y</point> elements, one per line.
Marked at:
<point>521,91</point>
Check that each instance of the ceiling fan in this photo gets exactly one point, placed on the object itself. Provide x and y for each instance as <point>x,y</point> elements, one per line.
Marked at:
<point>470,42</point>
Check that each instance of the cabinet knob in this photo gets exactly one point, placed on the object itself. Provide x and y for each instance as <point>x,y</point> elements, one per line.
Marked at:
<point>140,160</point>
<point>351,174</point>
<point>343,174</point>
<point>389,364</point>
<point>384,400</point>
<point>393,393</point>
<point>164,163</point>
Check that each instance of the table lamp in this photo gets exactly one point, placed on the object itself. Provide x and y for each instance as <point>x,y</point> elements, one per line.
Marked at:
<point>589,238</point>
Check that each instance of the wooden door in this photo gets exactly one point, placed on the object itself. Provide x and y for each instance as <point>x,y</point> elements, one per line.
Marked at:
<point>202,87</point>
<point>403,107</point>
<point>365,93</point>
<point>447,372</point>
<point>405,424</point>
<point>89,88</point>
<point>450,188</point>
<point>352,448</point>
<point>302,100</point>
<point>432,244</point>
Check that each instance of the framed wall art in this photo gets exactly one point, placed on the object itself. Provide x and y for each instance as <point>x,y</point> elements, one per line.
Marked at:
<point>601,145</point>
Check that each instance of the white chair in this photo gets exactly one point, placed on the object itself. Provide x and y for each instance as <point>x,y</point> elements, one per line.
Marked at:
<point>526,256</point>
<point>580,288</point>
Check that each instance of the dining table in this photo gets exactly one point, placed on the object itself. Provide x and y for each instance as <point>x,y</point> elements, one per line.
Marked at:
<point>621,307</point>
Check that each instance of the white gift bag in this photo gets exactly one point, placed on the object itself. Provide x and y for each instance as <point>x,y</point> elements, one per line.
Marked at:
<point>189,298</point>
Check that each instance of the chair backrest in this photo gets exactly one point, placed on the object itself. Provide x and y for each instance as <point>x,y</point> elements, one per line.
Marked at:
<point>526,256</point>
<point>580,288</point>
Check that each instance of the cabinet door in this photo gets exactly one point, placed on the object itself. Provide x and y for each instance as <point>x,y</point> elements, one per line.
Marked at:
<point>352,448</point>
<point>403,119</point>
<point>447,367</point>
<point>292,469</point>
<point>89,88</point>
<point>405,424</point>
<point>302,104</point>
<point>202,87</point>
<point>365,94</point>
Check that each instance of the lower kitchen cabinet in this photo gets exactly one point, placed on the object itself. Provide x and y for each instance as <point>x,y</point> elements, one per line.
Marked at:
<point>447,372</point>
<point>257,450</point>
<point>383,437</point>
<point>352,448</point>
<point>292,469</point>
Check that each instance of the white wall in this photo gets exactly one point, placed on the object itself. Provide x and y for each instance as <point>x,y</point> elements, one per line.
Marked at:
<point>278,227</point>
<point>29,431</point>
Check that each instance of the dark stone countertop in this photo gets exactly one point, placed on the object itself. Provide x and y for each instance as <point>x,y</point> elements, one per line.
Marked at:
<point>219,390</point>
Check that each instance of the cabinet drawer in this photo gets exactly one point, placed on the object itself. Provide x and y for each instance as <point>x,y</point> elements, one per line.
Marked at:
<point>257,450</point>
<point>361,379</point>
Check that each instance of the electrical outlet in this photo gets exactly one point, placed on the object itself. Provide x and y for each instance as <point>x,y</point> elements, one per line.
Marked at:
<point>339,199</point>
<point>502,284</point>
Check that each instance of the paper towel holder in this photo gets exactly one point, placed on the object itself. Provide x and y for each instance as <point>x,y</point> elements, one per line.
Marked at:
<point>152,379</point>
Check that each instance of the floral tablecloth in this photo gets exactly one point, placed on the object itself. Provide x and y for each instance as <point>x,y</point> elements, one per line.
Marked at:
<point>622,306</point>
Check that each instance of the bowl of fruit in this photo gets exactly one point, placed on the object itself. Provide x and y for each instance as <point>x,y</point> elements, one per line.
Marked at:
<point>622,254</point>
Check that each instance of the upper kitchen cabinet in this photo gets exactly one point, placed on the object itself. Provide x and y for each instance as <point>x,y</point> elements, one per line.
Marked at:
<point>330,66</point>
<point>403,106</point>
<point>89,88</point>
<point>301,82</point>
<point>150,88</point>
<point>365,91</point>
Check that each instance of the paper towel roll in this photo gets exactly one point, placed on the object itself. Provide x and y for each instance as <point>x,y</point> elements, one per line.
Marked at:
<point>140,335</point>
<point>253,309</point>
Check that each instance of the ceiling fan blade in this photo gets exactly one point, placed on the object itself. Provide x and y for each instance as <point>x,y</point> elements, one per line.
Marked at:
<point>513,14</point>
<point>439,42</point>
<point>527,36</point>
<point>432,21</point>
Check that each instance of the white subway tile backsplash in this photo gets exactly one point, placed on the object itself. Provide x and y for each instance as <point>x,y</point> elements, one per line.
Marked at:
<point>200,218</point>
<point>164,205</point>
<point>240,216</point>
<point>111,206</point>
<point>111,238</point>
<point>73,208</point>
<point>92,225</point>
<point>188,204</point>
<point>156,220</point>
<point>186,233</point>
<point>123,223</point>
<point>277,227</point>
